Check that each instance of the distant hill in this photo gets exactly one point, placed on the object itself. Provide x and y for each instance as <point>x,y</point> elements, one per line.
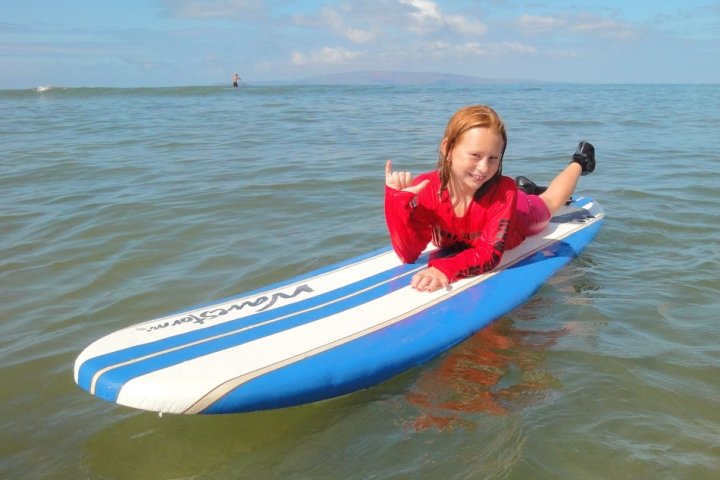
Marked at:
<point>400,78</point>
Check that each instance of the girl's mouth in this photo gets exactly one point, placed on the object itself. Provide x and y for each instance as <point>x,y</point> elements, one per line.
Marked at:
<point>477,178</point>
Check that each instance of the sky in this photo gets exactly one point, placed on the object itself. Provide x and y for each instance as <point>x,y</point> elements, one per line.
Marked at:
<point>133,43</point>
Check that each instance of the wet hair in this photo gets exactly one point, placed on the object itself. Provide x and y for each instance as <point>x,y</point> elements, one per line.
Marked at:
<point>467,118</point>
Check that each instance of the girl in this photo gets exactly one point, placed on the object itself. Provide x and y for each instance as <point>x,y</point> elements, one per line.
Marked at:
<point>467,207</point>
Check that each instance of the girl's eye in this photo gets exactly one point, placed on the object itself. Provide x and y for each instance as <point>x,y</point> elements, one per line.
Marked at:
<point>479,156</point>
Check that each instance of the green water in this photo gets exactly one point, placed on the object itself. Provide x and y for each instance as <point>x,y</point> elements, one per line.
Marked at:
<point>120,205</point>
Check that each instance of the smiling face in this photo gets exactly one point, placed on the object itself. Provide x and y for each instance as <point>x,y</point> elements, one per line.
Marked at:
<point>474,134</point>
<point>474,159</point>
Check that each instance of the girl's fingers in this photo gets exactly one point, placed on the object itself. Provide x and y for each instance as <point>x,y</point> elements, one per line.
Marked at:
<point>416,281</point>
<point>429,280</point>
<point>397,180</point>
<point>422,282</point>
<point>417,188</point>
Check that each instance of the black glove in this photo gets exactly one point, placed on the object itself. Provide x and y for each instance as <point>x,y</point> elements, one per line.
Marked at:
<point>585,156</point>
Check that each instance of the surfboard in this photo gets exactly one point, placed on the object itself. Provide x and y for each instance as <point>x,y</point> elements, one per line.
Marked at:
<point>320,335</point>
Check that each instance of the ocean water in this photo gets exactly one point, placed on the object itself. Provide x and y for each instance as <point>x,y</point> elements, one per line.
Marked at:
<point>120,205</point>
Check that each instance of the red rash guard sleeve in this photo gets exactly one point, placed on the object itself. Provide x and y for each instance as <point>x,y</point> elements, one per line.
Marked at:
<point>487,239</point>
<point>409,232</point>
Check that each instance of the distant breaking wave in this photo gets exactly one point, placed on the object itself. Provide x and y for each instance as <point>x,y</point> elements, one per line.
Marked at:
<point>94,91</point>
<point>54,92</point>
<point>112,92</point>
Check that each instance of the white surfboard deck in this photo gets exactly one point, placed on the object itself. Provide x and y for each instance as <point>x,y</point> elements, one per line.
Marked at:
<point>324,334</point>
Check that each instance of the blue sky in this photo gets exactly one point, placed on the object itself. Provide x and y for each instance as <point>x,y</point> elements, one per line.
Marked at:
<point>203,42</point>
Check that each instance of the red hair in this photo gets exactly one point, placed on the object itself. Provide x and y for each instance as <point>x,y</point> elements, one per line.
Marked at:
<point>467,118</point>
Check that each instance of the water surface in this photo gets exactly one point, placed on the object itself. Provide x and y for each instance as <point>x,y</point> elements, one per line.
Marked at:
<point>120,205</point>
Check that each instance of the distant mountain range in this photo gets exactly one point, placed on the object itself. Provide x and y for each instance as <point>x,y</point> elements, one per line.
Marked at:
<point>400,78</point>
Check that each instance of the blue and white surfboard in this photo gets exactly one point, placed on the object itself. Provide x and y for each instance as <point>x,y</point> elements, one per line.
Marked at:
<point>324,334</point>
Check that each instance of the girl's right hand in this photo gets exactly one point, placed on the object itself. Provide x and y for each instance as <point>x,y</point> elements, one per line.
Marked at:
<point>429,280</point>
<point>402,180</point>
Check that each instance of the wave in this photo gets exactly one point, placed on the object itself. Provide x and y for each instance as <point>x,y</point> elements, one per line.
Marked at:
<point>52,91</point>
<point>58,91</point>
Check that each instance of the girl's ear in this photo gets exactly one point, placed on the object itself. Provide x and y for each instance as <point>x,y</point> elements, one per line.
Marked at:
<point>444,148</point>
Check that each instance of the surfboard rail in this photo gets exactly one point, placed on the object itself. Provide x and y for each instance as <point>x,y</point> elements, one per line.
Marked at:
<point>329,332</point>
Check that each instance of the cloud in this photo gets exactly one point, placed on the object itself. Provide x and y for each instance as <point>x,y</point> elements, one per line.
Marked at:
<point>203,9</point>
<point>425,13</point>
<point>366,22</point>
<point>337,23</point>
<point>479,49</point>
<point>602,26</point>
<point>534,24</point>
<point>427,17</point>
<point>358,22</point>
<point>464,26</point>
<point>580,23</point>
<point>326,55</point>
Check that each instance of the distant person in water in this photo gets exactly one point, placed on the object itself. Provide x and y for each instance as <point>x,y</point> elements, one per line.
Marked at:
<point>466,206</point>
<point>236,80</point>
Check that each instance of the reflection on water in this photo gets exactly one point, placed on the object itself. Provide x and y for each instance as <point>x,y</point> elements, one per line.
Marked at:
<point>499,370</point>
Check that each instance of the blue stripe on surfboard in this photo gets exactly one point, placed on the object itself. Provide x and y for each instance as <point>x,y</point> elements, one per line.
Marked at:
<point>386,353</point>
<point>286,282</point>
<point>111,381</point>
<point>92,366</point>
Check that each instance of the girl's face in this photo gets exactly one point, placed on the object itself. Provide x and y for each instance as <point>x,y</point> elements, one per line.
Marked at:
<point>474,159</point>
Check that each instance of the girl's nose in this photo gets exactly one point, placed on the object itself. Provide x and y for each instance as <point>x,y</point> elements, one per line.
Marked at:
<point>483,166</point>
